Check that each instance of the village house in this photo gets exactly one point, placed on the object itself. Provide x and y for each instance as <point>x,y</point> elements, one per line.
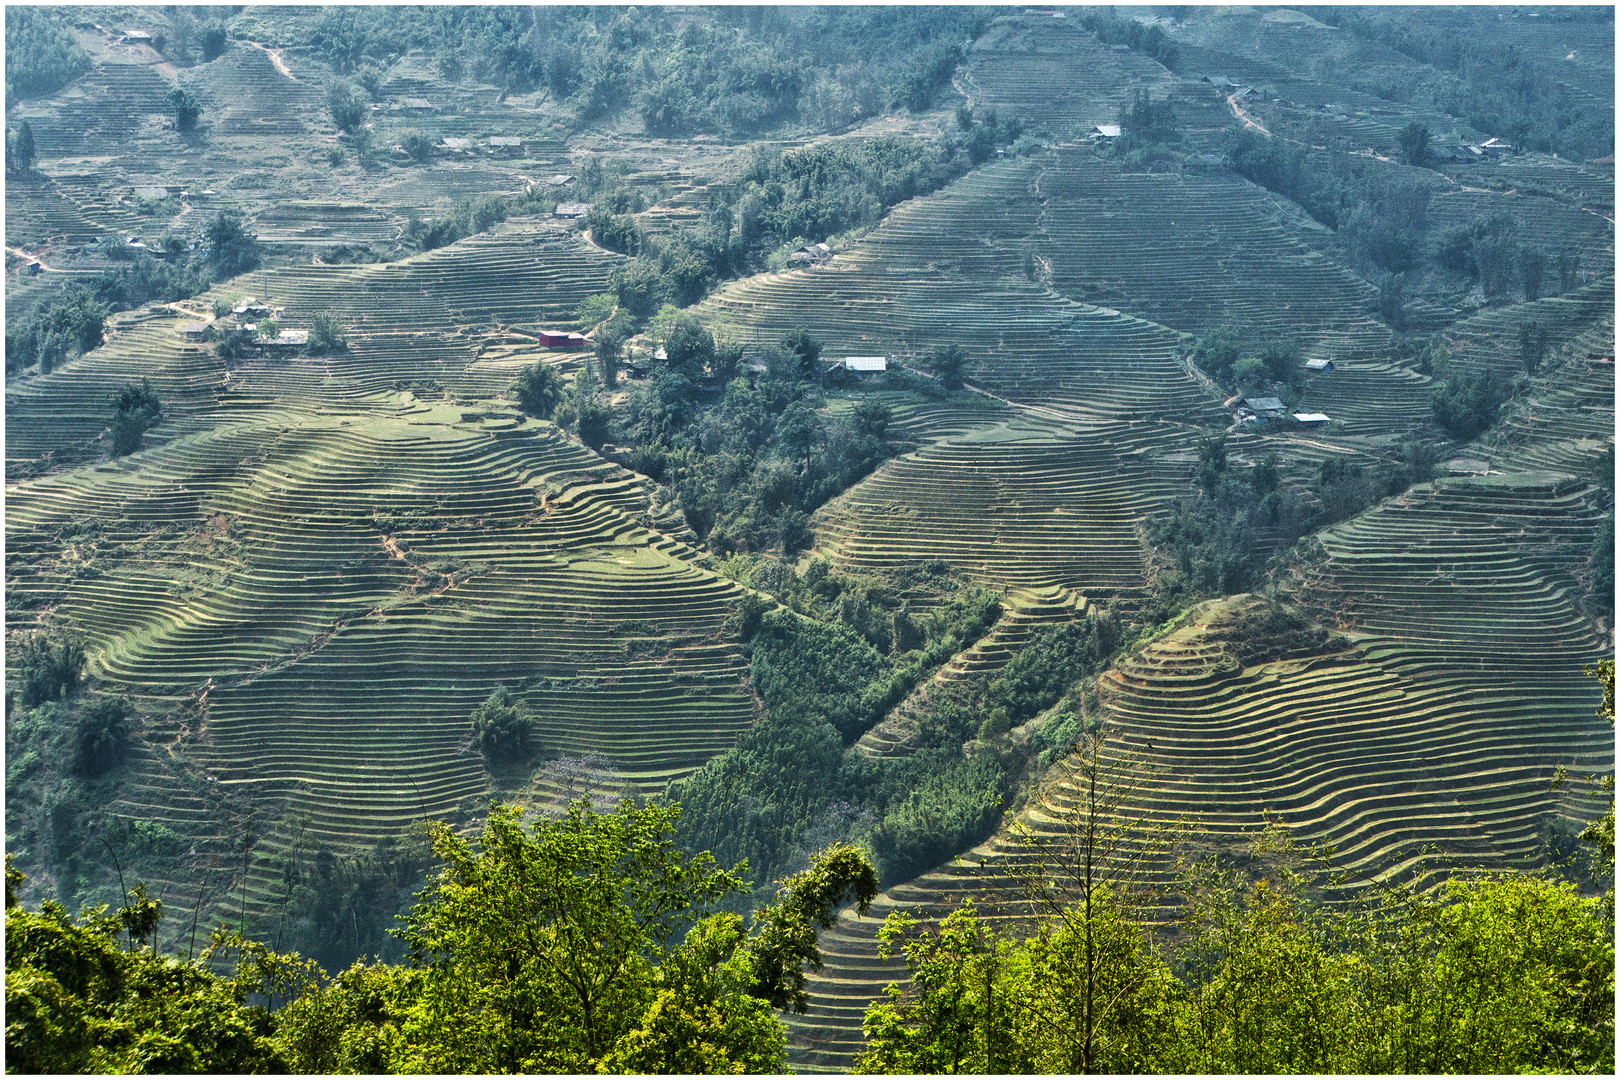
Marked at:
<point>194,331</point>
<point>562,339</point>
<point>505,145</point>
<point>560,180</point>
<point>572,209</point>
<point>1319,364</point>
<point>135,37</point>
<point>1103,131</point>
<point>288,341</point>
<point>1265,406</point>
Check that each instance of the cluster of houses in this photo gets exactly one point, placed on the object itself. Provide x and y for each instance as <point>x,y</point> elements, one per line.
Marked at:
<point>1490,148</point>
<point>1255,409</point>
<point>247,315</point>
<point>495,145</point>
<point>1227,86</point>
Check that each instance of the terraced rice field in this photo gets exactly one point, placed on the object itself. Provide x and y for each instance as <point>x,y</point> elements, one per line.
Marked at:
<point>1055,74</point>
<point>418,320</point>
<point>1490,339</point>
<point>1395,755</point>
<point>1194,252</point>
<point>1016,505</point>
<point>264,571</point>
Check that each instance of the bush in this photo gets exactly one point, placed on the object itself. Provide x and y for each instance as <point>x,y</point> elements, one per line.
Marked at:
<point>538,390</point>
<point>187,110</point>
<point>1467,405</point>
<point>503,729</point>
<point>326,334</point>
<point>136,408</point>
<point>48,667</point>
<point>101,736</point>
<point>231,248</point>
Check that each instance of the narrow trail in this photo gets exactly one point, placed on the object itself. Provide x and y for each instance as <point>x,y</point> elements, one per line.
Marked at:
<point>275,58</point>
<point>1237,111</point>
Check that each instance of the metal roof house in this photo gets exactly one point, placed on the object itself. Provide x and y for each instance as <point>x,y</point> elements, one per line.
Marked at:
<point>866,364</point>
<point>451,143</point>
<point>1319,364</point>
<point>1313,418</point>
<point>1104,131</point>
<point>505,144</point>
<point>572,209</point>
<point>560,180</point>
<point>1266,406</point>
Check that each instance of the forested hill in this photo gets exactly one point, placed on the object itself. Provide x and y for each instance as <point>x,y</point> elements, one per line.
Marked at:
<point>847,425</point>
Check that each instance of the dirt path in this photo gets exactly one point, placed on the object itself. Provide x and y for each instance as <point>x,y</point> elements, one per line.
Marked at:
<point>275,58</point>
<point>1237,111</point>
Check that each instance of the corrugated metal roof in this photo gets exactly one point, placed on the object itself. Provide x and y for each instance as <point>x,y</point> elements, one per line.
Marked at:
<point>866,363</point>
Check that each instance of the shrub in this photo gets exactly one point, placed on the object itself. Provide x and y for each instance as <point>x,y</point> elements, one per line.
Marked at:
<point>101,736</point>
<point>136,408</point>
<point>503,728</point>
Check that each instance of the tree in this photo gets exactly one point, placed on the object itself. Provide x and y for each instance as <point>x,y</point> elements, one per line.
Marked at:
<point>785,938</point>
<point>230,247</point>
<point>76,1001</point>
<point>539,947</point>
<point>1532,271</point>
<point>214,41</point>
<point>949,363</point>
<point>1217,350</point>
<point>48,667</point>
<point>187,110</point>
<point>347,108</point>
<point>1532,344</point>
<point>1099,969</point>
<point>20,149</point>
<point>538,390</point>
<point>807,350</point>
<point>101,735</point>
<point>326,334</point>
<point>610,339</point>
<point>136,409</point>
<point>503,728</point>
<point>1414,143</point>
<point>689,347</point>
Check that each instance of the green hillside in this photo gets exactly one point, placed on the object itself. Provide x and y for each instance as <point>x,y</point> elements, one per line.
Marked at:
<point>1246,400</point>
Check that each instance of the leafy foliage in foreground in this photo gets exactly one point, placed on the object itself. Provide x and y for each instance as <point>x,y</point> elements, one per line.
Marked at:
<point>582,944</point>
<point>1508,974</point>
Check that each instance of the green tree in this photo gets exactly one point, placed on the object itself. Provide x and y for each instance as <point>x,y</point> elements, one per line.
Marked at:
<point>48,667</point>
<point>231,249</point>
<point>503,728</point>
<point>214,40</point>
<point>538,389</point>
<point>538,947</point>
<point>100,736</point>
<point>1414,143</point>
<point>949,363</point>
<point>136,408</point>
<point>78,1002</point>
<point>326,334</point>
<point>20,149</point>
<point>347,108</point>
<point>187,110</point>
